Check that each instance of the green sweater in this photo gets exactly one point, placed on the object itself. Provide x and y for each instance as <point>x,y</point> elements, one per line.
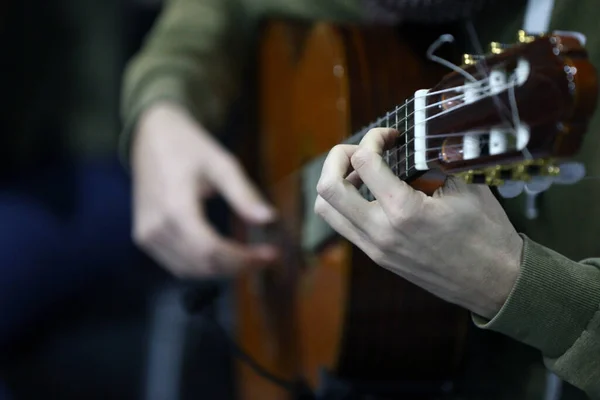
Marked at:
<point>195,55</point>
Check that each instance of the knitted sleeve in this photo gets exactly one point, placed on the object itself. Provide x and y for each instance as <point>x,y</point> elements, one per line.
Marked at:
<point>423,11</point>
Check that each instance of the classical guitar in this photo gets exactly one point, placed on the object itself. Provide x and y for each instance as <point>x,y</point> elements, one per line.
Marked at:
<point>506,116</point>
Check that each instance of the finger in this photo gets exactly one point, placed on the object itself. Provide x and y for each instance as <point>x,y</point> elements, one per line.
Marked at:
<point>338,222</point>
<point>232,182</point>
<point>380,138</point>
<point>205,250</point>
<point>209,252</point>
<point>335,189</point>
<point>159,246</point>
<point>390,191</point>
<point>231,257</point>
<point>354,179</point>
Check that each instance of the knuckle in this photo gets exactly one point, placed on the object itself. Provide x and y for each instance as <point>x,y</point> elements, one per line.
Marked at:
<point>147,234</point>
<point>399,218</point>
<point>360,159</point>
<point>338,148</point>
<point>338,151</point>
<point>320,207</point>
<point>384,240</point>
<point>412,213</point>
<point>326,188</point>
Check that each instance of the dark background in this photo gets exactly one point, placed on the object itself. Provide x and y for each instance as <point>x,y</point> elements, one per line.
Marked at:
<point>83,314</point>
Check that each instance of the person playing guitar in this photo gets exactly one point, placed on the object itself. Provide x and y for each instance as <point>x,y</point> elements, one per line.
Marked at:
<point>455,242</point>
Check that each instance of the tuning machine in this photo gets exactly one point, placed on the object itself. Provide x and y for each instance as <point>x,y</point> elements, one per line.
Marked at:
<point>498,48</point>
<point>526,170</point>
<point>545,167</point>
<point>524,37</point>
<point>493,176</point>
<point>498,174</point>
<point>471,59</point>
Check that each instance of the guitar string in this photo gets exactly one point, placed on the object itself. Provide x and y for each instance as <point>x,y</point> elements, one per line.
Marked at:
<point>393,167</point>
<point>484,90</point>
<point>482,67</point>
<point>403,120</point>
<point>397,150</point>
<point>451,146</point>
<point>401,108</point>
<point>510,87</point>
<point>501,106</point>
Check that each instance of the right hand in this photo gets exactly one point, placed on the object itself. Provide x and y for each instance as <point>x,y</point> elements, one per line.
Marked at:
<point>176,165</point>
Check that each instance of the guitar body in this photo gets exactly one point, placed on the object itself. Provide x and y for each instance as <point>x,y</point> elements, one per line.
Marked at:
<point>335,310</point>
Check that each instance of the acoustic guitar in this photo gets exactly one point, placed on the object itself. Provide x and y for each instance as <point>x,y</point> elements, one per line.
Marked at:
<point>508,115</point>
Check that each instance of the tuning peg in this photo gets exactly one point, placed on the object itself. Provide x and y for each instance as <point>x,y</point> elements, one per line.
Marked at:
<point>520,173</point>
<point>524,37</point>
<point>497,47</point>
<point>570,173</point>
<point>471,59</point>
<point>468,59</point>
<point>492,176</point>
<point>466,176</point>
<point>552,170</point>
<point>545,168</point>
<point>511,189</point>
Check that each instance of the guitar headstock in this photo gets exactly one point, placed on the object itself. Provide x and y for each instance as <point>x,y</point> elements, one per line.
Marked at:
<point>528,106</point>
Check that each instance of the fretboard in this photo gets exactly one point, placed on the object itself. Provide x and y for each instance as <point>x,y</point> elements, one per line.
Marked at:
<point>400,158</point>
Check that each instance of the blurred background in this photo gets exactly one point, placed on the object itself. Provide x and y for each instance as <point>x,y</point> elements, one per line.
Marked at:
<point>83,314</point>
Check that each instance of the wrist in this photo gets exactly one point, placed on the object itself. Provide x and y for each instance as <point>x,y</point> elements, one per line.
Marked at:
<point>161,119</point>
<point>506,269</point>
<point>157,112</point>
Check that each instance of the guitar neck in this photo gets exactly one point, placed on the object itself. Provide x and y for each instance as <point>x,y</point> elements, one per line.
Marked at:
<point>403,156</point>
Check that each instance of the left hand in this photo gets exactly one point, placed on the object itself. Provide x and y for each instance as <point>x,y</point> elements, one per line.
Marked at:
<point>458,244</point>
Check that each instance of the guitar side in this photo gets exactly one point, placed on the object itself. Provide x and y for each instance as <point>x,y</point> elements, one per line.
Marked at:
<point>335,309</point>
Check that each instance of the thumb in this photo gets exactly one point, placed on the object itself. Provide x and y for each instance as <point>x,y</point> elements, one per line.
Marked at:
<point>231,181</point>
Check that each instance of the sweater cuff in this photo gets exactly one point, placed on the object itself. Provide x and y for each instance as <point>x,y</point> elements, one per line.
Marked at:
<point>551,303</point>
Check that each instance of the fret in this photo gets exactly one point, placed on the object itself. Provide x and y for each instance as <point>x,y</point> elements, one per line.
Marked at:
<point>400,157</point>
<point>395,149</point>
<point>386,155</point>
<point>406,144</point>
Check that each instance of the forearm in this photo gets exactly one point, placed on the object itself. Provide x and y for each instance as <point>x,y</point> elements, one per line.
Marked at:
<point>554,307</point>
<point>187,59</point>
<point>196,52</point>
